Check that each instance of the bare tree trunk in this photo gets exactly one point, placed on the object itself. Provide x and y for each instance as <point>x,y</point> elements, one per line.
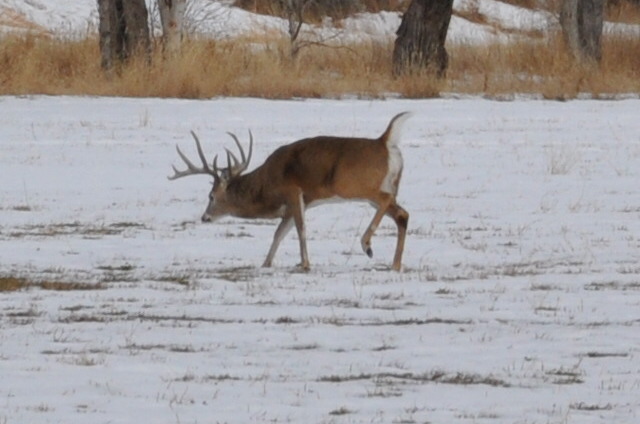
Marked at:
<point>136,19</point>
<point>124,30</point>
<point>172,18</point>
<point>421,37</point>
<point>582,22</point>
<point>294,11</point>
<point>111,33</point>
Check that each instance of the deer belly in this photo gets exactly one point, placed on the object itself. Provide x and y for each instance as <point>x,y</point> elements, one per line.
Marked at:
<point>394,169</point>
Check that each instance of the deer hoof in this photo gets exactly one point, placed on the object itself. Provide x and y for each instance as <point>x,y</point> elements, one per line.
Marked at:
<point>366,247</point>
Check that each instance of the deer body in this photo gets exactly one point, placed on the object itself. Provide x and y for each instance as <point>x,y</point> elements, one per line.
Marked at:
<point>306,173</point>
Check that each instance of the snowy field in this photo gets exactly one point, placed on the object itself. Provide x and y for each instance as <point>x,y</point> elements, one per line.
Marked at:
<point>519,301</point>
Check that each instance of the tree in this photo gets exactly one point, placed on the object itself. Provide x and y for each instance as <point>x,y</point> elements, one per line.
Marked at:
<point>294,11</point>
<point>172,14</point>
<point>581,22</point>
<point>421,37</point>
<point>124,30</point>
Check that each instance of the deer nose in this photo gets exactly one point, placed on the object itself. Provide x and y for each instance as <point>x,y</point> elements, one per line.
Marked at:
<point>206,218</point>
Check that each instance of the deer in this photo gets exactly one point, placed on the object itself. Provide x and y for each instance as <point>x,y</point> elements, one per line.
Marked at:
<point>304,174</point>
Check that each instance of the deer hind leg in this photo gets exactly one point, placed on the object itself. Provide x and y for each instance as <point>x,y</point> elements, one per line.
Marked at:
<point>382,207</point>
<point>401,218</point>
<point>281,231</point>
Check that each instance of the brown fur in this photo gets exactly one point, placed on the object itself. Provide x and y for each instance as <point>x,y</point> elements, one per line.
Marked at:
<point>321,167</point>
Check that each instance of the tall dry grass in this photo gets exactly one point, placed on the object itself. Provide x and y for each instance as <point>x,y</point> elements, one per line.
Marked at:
<point>545,68</point>
<point>262,67</point>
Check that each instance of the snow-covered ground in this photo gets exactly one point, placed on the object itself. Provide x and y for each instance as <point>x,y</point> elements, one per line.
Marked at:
<point>519,303</point>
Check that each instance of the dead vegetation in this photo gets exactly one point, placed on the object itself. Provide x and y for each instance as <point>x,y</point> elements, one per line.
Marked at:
<point>73,228</point>
<point>12,283</point>
<point>260,66</point>
<point>428,377</point>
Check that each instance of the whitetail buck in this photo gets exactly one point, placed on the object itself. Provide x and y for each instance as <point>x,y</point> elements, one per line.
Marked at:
<point>304,173</point>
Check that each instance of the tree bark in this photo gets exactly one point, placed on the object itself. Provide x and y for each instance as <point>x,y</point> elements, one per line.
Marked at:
<point>136,21</point>
<point>111,36</point>
<point>582,22</point>
<point>123,29</point>
<point>294,11</point>
<point>172,19</point>
<point>419,45</point>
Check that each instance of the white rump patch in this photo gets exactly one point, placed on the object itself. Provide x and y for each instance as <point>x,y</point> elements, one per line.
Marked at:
<point>389,184</point>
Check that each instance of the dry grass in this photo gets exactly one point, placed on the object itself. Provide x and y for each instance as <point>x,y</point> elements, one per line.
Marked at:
<point>261,67</point>
<point>543,67</point>
<point>247,67</point>
<point>623,11</point>
<point>10,283</point>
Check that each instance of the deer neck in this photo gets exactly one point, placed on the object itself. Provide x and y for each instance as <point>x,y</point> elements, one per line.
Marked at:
<point>249,197</point>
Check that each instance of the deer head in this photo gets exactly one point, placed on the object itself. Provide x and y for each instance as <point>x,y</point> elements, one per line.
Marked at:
<point>218,203</point>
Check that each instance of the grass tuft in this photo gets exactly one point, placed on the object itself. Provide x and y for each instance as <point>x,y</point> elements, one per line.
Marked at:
<point>8,284</point>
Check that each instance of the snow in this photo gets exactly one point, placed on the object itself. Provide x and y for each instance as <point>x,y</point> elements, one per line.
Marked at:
<point>59,16</point>
<point>506,15</point>
<point>221,20</point>
<point>520,296</point>
<point>519,301</point>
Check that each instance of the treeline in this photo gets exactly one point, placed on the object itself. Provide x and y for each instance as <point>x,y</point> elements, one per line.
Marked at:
<point>260,64</point>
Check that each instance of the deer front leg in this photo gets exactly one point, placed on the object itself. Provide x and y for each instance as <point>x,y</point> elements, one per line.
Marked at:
<point>297,209</point>
<point>281,231</point>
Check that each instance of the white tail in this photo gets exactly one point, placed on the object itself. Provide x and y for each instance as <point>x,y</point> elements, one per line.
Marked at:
<point>297,175</point>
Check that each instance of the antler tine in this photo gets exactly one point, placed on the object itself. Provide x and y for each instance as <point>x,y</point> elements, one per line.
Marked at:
<point>191,168</point>
<point>185,159</point>
<point>233,157</point>
<point>250,147</point>
<point>243,163</point>
<point>201,153</point>
<point>215,165</point>
<point>235,138</point>
<point>229,166</point>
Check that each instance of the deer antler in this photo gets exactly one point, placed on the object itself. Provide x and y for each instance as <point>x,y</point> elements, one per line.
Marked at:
<point>234,166</point>
<point>241,165</point>
<point>191,168</point>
